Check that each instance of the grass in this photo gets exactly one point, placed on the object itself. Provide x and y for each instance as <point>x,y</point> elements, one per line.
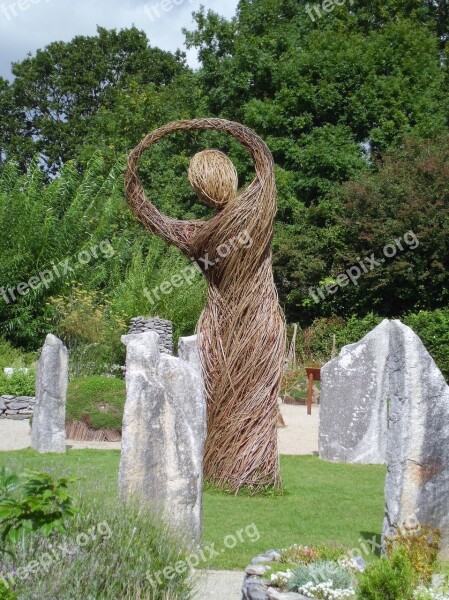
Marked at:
<point>98,401</point>
<point>322,502</point>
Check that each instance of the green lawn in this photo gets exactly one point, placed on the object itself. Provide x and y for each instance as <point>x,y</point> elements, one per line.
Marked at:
<point>323,502</point>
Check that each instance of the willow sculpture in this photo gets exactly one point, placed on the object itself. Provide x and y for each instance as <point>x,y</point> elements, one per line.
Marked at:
<point>241,330</point>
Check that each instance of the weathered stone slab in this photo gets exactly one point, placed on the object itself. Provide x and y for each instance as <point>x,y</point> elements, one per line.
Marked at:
<point>188,351</point>
<point>18,405</point>
<point>164,427</point>
<point>353,401</point>
<point>48,427</point>
<point>417,483</point>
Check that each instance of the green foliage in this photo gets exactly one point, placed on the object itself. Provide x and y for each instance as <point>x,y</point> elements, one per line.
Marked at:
<point>13,357</point>
<point>34,502</point>
<point>120,551</point>
<point>421,544</point>
<point>320,571</point>
<point>18,384</point>
<point>98,401</point>
<point>330,552</point>
<point>57,93</point>
<point>5,592</point>
<point>433,328</point>
<point>390,578</point>
<point>315,343</point>
<point>347,104</point>
<point>308,554</point>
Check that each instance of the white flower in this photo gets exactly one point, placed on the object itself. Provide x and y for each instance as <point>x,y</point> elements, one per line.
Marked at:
<point>326,591</point>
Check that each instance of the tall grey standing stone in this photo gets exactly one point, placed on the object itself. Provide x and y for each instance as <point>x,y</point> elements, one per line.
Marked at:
<point>48,427</point>
<point>417,483</point>
<point>164,428</point>
<point>188,351</point>
<point>353,401</point>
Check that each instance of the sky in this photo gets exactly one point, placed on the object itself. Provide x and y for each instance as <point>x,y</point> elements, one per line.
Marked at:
<point>27,25</point>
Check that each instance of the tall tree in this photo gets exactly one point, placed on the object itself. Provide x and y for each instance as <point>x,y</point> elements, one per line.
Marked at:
<point>57,92</point>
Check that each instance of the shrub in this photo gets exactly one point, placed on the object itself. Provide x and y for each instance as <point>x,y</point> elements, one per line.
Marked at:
<point>433,329</point>
<point>18,384</point>
<point>98,401</point>
<point>320,571</point>
<point>13,357</point>
<point>307,554</point>
<point>391,578</point>
<point>6,593</point>
<point>315,342</point>
<point>330,551</point>
<point>34,502</point>
<point>421,544</point>
<point>121,556</point>
<point>91,331</point>
<point>298,554</point>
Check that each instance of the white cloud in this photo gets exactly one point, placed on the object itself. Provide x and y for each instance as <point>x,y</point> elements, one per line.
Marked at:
<point>27,25</point>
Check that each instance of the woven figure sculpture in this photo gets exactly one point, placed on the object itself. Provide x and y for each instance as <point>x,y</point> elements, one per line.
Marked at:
<point>241,330</point>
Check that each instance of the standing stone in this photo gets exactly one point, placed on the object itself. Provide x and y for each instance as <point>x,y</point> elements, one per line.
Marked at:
<point>164,428</point>
<point>188,351</point>
<point>48,427</point>
<point>353,401</point>
<point>417,483</point>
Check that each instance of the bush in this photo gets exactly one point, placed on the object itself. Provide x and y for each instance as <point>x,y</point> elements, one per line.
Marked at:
<point>315,342</point>
<point>91,331</point>
<point>307,554</point>
<point>6,593</point>
<point>121,553</point>
<point>34,502</point>
<point>12,357</point>
<point>19,384</point>
<point>98,401</point>
<point>433,328</point>
<point>391,578</point>
<point>421,544</point>
<point>320,571</point>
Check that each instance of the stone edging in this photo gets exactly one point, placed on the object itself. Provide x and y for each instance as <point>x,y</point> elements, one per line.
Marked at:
<point>255,587</point>
<point>17,408</point>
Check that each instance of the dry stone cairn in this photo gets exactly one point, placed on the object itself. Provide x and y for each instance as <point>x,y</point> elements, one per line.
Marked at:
<point>353,401</point>
<point>48,427</point>
<point>162,327</point>
<point>164,428</point>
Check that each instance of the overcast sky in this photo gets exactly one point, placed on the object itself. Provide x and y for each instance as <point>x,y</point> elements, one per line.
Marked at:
<point>26,25</point>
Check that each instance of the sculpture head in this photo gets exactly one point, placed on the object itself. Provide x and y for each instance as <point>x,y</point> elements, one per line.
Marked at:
<point>213,177</point>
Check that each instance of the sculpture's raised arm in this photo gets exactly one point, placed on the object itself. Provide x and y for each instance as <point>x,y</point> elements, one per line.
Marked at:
<point>180,232</point>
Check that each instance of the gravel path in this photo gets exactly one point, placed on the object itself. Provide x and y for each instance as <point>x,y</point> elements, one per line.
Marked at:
<point>219,585</point>
<point>299,437</point>
<point>14,435</point>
